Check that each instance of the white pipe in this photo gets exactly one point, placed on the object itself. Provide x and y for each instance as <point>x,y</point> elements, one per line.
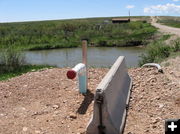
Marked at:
<point>79,69</point>
<point>154,65</point>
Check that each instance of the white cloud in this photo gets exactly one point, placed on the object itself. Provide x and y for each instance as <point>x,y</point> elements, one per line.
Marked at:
<point>130,6</point>
<point>176,0</point>
<point>163,9</point>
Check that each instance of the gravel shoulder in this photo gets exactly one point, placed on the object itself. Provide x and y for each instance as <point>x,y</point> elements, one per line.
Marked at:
<point>46,102</point>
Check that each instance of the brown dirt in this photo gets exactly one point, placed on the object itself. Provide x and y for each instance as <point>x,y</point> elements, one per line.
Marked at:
<point>154,98</point>
<point>46,102</point>
<point>172,69</point>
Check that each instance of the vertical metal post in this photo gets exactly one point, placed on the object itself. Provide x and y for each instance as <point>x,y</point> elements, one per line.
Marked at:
<point>84,59</point>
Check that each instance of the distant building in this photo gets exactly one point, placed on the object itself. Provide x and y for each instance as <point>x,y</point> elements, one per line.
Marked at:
<point>120,20</point>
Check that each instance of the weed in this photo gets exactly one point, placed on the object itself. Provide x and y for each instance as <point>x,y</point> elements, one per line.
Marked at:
<point>10,60</point>
<point>158,51</point>
<point>170,21</point>
<point>68,33</point>
<point>176,46</point>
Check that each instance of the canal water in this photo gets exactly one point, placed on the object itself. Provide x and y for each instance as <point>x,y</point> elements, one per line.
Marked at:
<point>97,56</point>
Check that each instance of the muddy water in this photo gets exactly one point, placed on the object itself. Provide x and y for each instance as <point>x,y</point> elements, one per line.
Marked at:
<point>97,56</point>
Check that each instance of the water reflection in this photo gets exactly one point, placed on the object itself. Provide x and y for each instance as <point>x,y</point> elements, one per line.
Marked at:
<point>97,56</point>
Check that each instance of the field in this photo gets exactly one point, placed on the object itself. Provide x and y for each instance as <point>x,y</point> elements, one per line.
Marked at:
<point>69,33</point>
<point>170,21</point>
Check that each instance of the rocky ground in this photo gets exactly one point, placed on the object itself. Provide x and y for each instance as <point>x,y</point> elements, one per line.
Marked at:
<point>154,98</point>
<point>46,102</point>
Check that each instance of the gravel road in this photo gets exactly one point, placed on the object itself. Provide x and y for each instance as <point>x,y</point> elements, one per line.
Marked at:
<point>165,29</point>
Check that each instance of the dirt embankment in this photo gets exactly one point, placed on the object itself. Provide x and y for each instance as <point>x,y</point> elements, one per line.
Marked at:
<point>46,102</point>
<point>154,98</point>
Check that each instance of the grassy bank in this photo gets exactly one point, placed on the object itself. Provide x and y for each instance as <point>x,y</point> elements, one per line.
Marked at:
<point>21,70</point>
<point>158,51</point>
<point>68,33</point>
<point>12,64</point>
<point>170,21</point>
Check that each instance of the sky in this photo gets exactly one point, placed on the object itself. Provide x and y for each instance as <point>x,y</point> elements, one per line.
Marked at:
<point>32,10</point>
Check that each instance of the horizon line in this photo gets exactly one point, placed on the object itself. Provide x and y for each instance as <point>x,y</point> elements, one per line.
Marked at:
<point>81,18</point>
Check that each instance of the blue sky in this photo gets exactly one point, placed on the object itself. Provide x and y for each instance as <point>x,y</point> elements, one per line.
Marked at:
<point>31,10</point>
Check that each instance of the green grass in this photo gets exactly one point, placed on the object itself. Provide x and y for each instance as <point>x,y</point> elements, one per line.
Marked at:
<point>170,21</point>
<point>12,64</point>
<point>23,69</point>
<point>174,54</point>
<point>69,33</point>
<point>158,51</point>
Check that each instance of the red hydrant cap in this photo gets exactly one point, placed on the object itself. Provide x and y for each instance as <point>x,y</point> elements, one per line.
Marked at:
<point>71,74</point>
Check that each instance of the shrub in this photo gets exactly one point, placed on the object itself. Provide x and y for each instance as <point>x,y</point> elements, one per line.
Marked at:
<point>102,43</point>
<point>10,60</point>
<point>155,52</point>
<point>176,46</point>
